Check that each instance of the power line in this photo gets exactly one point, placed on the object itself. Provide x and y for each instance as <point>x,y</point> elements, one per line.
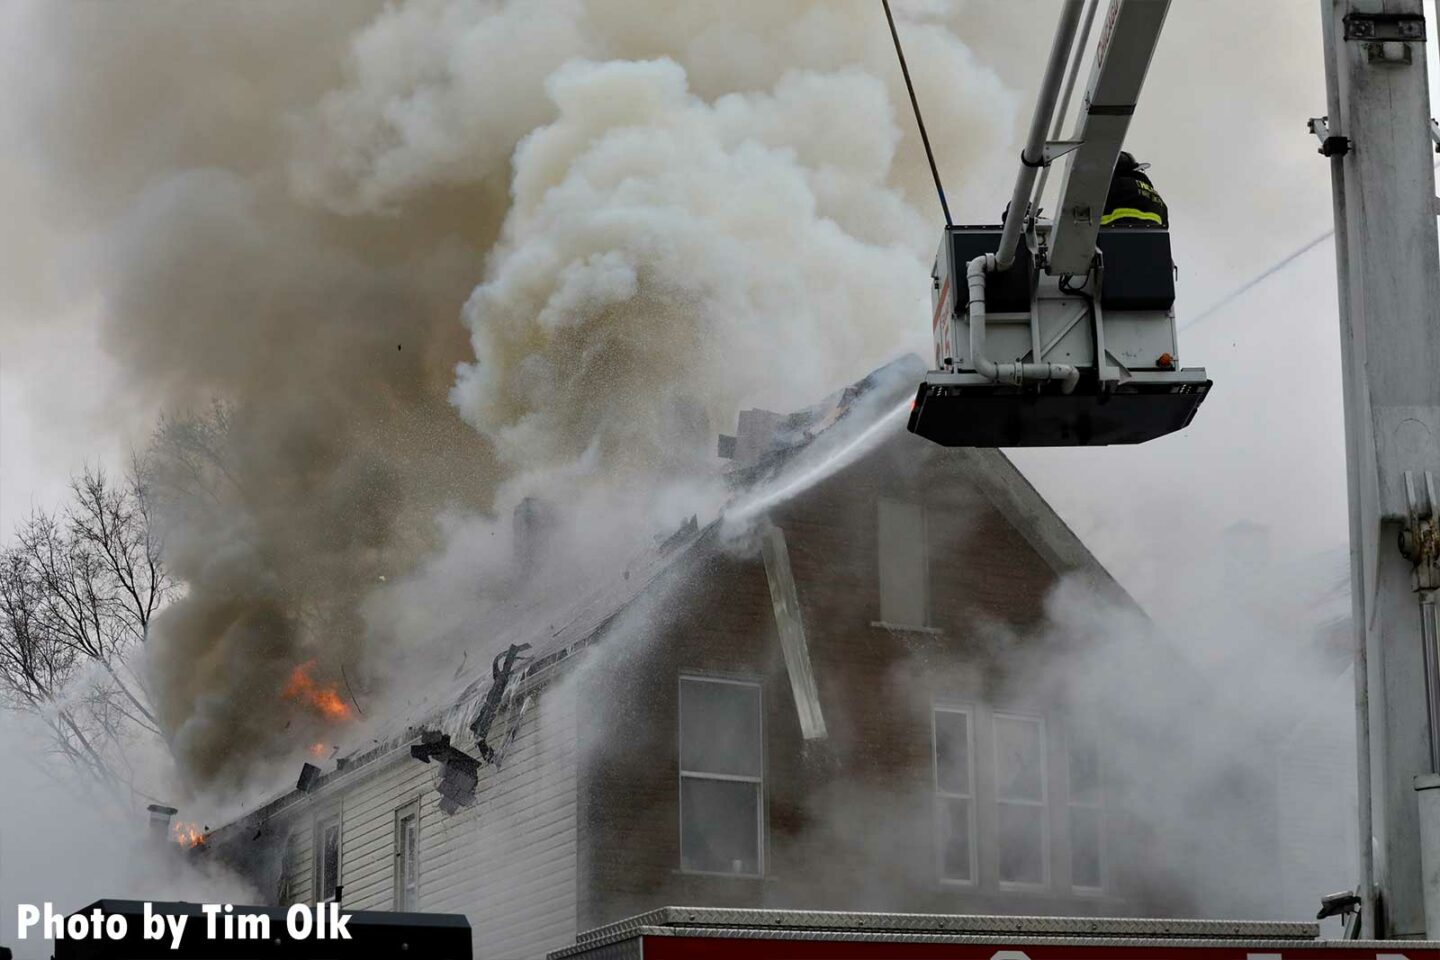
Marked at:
<point>915,105</point>
<point>1255,281</point>
<point>1260,278</point>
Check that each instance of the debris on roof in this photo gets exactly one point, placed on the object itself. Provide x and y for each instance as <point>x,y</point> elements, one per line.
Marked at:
<point>309,777</point>
<point>501,670</point>
<point>432,744</point>
<point>459,772</point>
<point>459,776</point>
<point>514,729</point>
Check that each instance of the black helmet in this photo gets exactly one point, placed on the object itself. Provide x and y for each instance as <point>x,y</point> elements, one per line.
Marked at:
<point>1126,163</point>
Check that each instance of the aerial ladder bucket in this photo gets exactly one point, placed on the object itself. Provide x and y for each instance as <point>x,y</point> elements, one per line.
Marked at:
<point>1061,332</point>
<point>1115,327</point>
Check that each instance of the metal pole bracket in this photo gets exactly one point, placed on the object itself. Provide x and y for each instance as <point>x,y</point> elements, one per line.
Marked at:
<point>1385,26</point>
<point>1055,149</point>
<point>1420,539</point>
<point>1331,144</point>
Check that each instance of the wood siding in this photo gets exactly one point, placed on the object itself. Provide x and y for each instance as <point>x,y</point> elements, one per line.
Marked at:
<point>507,862</point>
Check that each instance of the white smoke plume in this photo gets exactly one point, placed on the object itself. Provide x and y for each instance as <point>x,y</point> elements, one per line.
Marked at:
<point>659,245</point>
<point>658,213</point>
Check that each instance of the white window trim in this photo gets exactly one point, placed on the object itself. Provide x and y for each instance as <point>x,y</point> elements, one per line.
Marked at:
<point>760,833</point>
<point>941,795</point>
<point>1099,807</point>
<point>285,888</point>
<point>408,809</point>
<point>1043,803</point>
<point>317,882</point>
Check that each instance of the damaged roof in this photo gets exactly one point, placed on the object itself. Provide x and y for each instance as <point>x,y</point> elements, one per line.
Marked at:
<point>827,436</point>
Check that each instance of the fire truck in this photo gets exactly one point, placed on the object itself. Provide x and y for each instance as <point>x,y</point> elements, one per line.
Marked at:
<point>701,933</point>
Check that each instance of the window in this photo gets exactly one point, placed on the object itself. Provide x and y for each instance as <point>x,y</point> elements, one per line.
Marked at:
<point>285,887</point>
<point>1020,800</point>
<point>721,786</point>
<point>1085,809</point>
<point>407,857</point>
<point>954,794</point>
<point>327,859</point>
<point>904,572</point>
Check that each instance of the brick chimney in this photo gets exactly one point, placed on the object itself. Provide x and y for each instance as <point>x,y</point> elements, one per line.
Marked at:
<point>160,822</point>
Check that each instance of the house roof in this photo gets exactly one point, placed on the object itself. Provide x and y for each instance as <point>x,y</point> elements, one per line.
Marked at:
<point>803,447</point>
<point>566,629</point>
<point>835,422</point>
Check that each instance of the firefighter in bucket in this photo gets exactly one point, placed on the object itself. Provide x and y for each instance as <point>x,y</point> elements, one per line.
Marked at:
<point>1133,200</point>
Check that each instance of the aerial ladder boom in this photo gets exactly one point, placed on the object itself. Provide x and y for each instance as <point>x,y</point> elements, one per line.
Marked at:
<point>1122,59</point>
<point>1062,333</point>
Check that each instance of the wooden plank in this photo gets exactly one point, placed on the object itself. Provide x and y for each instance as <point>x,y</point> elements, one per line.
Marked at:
<point>791,626</point>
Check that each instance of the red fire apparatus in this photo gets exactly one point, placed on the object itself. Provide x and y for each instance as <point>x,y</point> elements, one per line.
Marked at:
<point>706,933</point>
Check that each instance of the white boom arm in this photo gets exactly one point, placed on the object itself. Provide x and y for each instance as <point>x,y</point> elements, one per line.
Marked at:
<point>1122,58</point>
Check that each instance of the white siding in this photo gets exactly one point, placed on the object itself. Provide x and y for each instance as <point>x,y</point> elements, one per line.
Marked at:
<point>369,828</point>
<point>300,860</point>
<point>507,862</point>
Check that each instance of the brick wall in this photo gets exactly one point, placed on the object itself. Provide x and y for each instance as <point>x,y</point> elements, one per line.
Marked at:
<point>850,818</point>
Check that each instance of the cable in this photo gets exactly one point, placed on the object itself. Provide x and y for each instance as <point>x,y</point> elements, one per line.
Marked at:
<point>919,121</point>
<point>1259,278</point>
<point>1255,281</point>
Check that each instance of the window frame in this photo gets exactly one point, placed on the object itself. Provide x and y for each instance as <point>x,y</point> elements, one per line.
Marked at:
<point>940,795</point>
<point>285,885</point>
<point>1043,804</point>
<point>1097,805</point>
<point>322,826</point>
<point>682,774</point>
<point>406,811</point>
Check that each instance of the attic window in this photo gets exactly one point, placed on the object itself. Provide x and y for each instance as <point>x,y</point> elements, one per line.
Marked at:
<point>285,886</point>
<point>327,859</point>
<point>407,857</point>
<point>721,777</point>
<point>904,565</point>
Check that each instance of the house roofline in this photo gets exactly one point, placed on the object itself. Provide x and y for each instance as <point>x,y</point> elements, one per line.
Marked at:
<point>1035,519</point>
<point>544,670</point>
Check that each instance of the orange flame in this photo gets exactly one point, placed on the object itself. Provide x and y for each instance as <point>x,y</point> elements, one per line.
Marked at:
<point>189,835</point>
<point>325,700</point>
<point>318,749</point>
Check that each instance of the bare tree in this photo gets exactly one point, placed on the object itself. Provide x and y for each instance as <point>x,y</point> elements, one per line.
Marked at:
<point>189,465</point>
<point>78,590</point>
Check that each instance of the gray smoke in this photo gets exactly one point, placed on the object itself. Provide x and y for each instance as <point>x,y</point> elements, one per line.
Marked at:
<point>669,210</point>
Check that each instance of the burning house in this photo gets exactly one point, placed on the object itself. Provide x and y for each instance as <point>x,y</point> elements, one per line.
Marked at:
<point>833,696</point>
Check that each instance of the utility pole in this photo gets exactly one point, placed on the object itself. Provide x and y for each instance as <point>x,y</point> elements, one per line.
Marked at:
<point>1379,141</point>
